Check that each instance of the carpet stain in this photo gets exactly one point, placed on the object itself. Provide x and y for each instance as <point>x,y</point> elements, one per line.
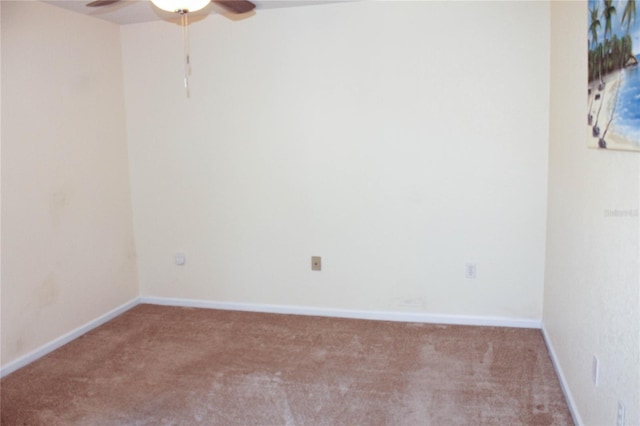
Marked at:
<point>156,365</point>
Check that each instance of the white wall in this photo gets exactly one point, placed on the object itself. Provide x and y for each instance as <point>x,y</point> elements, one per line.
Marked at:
<point>67,241</point>
<point>397,140</point>
<point>592,298</point>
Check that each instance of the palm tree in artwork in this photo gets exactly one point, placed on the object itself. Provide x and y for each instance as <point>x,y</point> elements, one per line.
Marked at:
<point>593,29</point>
<point>607,13</point>
<point>629,15</point>
<point>594,26</point>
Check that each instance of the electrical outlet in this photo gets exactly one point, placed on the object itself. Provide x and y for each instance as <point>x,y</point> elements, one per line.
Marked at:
<point>595,370</point>
<point>316,263</point>
<point>470,270</point>
<point>620,418</point>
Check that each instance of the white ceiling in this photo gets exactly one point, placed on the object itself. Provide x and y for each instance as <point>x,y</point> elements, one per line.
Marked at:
<point>136,11</point>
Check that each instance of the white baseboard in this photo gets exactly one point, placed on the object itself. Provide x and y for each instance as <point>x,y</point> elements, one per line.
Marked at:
<point>573,408</point>
<point>347,313</point>
<point>66,338</point>
<point>275,309</point>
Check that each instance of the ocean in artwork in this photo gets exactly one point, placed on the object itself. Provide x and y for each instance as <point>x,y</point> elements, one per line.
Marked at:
<point>627,115</point>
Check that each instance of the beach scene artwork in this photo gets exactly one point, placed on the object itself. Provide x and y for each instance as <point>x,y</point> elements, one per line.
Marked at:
<point>613,118</point>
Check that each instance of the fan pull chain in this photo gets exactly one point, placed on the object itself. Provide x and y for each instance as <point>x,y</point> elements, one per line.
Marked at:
<point>184,20</point>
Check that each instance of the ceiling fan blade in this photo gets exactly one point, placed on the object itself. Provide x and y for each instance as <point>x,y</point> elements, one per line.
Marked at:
<point>235,6</point>
<point>100,3</point>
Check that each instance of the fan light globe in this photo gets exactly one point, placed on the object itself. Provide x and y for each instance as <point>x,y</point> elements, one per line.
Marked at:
<point>180,5</point>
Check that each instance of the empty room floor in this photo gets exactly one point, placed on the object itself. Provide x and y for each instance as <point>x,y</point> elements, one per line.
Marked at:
<point>159,365</point>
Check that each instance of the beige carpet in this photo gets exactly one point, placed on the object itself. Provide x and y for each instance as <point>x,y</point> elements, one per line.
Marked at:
<point>158,365</point>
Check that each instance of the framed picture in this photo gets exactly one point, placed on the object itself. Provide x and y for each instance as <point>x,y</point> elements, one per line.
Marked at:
<point>613,119</point>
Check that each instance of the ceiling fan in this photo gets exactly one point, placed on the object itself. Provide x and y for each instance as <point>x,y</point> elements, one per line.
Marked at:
<point>183,7</point>
<point>186,6</point>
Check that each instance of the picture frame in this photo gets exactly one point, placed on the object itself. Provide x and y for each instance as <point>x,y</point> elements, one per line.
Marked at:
<point>613,117</point>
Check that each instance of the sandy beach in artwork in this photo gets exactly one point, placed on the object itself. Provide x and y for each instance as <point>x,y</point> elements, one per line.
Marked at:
<point>601,109</point>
